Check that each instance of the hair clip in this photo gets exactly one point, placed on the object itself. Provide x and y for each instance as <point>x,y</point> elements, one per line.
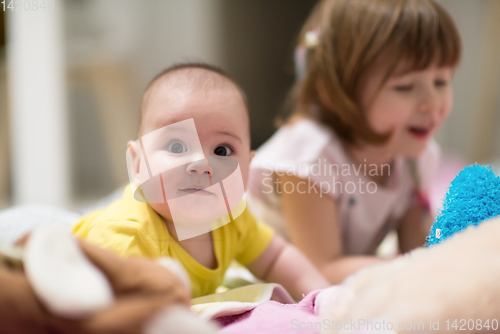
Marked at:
<point>300,62</point>
<point>311,38</point>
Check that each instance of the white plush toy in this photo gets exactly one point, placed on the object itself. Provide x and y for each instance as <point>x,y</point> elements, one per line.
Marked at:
<point>71,286</point>
<point>451,287</point>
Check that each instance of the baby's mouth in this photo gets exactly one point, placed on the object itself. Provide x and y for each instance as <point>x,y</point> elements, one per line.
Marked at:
<point>420,132</point>
<point>195,190</point>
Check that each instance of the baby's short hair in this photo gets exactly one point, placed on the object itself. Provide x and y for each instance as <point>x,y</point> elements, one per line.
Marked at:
<point>190,76</point>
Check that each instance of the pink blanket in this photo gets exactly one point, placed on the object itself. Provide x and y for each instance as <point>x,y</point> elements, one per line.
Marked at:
<point>274,317</point>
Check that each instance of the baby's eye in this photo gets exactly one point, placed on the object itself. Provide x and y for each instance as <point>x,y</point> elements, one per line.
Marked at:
<point>176,147</point>
<point>223,150</point>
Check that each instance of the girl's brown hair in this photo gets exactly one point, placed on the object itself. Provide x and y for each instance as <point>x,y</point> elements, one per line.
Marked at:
<point>352,34</point>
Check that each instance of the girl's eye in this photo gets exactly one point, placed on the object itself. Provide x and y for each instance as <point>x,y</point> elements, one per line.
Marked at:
<point>223,150</point>
<point>403,88</point>
<point>441,83</point>
<point>176,147</point>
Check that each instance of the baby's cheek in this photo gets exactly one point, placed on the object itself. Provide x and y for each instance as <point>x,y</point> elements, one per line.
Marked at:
<point>244,165</point>
<point>244,175</point>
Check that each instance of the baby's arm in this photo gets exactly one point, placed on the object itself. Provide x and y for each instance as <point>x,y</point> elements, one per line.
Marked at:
<point>283,263</point>
<point>313,227</point>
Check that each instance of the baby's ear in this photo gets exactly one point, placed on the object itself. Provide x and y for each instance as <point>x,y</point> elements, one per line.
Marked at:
<point>133,161</point>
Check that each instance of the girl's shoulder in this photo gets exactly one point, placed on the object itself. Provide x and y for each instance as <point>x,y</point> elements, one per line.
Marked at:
<point>302,140</point>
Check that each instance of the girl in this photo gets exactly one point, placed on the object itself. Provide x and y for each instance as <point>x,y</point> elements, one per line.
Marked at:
<point>356,157</point>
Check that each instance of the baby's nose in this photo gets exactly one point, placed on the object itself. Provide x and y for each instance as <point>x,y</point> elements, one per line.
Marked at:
<point>198,167</point>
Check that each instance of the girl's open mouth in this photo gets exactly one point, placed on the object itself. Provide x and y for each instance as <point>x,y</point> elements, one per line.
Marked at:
<point>420,132</point>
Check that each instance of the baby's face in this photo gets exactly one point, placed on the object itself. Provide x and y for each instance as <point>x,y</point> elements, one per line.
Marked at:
<point>221,129</point>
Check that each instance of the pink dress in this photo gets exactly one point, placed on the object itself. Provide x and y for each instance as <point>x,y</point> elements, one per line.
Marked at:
<point>311,151</point>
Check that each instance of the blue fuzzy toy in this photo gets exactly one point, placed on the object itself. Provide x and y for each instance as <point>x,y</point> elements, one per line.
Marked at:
<point>474,196</point>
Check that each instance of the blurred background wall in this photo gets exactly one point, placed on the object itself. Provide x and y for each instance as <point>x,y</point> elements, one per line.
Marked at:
<point>4,123</point>
<point>473,128</point>
<point>112,48</point>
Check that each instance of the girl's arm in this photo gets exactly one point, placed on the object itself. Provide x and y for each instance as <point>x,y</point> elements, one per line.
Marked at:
<point>313,227</point>
<point>284,264</point>
<point>413,229</point>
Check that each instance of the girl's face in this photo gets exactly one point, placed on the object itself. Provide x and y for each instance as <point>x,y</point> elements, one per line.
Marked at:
<point>411,104</point>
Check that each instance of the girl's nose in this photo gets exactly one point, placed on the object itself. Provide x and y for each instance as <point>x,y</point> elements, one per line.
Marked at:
<point>429,102</point>
<point>198,167</point>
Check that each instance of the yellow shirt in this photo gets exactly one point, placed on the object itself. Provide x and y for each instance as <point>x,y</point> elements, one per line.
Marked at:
<point>130,227</point>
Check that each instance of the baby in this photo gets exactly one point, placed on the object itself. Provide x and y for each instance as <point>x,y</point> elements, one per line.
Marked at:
<point>189,164</point>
